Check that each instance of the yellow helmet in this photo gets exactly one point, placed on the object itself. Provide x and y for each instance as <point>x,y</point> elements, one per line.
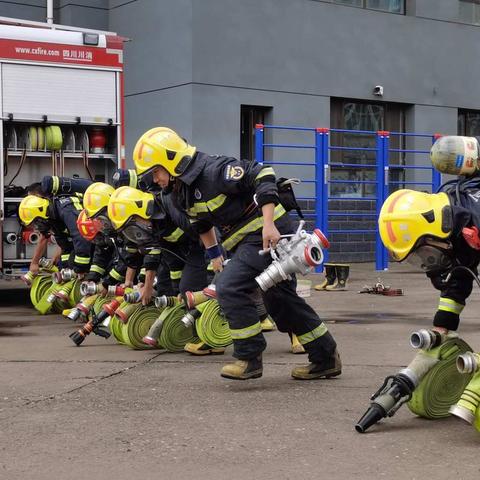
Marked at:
<point>96,197</point>
<point>162,147</point>
<point>407,215</point>
<point>127,202</point>
<point>32,207</point>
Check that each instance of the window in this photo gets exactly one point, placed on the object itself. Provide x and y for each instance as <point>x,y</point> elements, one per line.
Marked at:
<point>366,117</point>
<point>469,123</point>
<point>469,11</point>
<point>250,115</point>
<point>392,6</point>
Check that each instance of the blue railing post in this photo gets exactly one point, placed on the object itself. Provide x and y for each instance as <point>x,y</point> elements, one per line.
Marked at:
<point>382,184</point>
<point>386,190</point>
<point>436,175</point>
<point>321,178</point>
<point>259,143</point>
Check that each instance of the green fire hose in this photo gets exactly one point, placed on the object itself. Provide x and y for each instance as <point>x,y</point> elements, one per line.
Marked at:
<point>174,335</point>
<point>443,385</point>
<point>40,284</point>
<point>44,285</point>
<point>138,325</point>
<point>99,303</point>
<point>75,295</point>
<point>212,327</point>
<point>115,327</point>
<point>116,324</point>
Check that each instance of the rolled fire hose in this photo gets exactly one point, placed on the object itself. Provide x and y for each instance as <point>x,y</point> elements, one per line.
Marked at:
<point>40,284</point>
<point>443,385</point>
<point>212,326</point>
<point>138,325</point>
<point>75,295</point>
<point>41,138</point>
<point>53,137</point>
<point>116,323</point>
<point>174,336</point>
<point>47,288</point>
<point>99,303</point>
<point>115,327</point>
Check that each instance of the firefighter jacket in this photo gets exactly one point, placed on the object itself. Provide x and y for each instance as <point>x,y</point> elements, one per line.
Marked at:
<point>62,222</point>
<point>227,193</point>
<point>465,201</point>
<point>173,238</point>
<point>108,262</point>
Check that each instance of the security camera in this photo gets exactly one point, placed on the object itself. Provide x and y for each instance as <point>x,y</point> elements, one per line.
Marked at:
<point>378,90</point>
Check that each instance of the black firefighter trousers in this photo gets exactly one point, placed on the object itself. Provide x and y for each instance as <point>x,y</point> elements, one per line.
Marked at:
<point>290,312</point>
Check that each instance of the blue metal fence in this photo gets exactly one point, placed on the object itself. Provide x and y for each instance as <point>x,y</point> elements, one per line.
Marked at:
<point>322,151</point>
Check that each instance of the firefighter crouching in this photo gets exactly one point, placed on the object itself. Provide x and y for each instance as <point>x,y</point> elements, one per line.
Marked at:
<point>240,198</point>
<point>108,265</point>
<point>439,234</point>
<point>56,215</point>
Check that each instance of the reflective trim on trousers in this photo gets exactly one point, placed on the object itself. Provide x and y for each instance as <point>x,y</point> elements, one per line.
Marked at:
<point>313,334</point>
<point>247,332</point>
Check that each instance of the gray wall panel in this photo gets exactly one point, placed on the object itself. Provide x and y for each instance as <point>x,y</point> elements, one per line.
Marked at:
<point>35,10</point>
<point>172,107</point>
<point>78,16</point>
<point>334,50</point>
<point>102,4</point>
<point>160,52</point>
<point>216,125</point>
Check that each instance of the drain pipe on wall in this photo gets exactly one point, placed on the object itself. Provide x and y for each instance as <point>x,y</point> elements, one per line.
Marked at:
<point>50,12</point>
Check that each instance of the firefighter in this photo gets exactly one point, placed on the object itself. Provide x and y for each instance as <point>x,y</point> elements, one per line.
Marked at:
<point>108,265</point>
<point>241,199</point>
<point>438,233</point>
<point>56,216</point>
<point>130,178</point>
<point>145,223</point>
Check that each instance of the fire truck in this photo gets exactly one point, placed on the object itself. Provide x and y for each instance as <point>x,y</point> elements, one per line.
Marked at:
<point>61,113</point>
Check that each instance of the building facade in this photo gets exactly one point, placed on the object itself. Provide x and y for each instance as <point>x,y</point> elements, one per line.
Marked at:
<point>212,69</point>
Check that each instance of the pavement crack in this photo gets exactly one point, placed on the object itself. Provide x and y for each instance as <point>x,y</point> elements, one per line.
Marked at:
<point>29,402</point>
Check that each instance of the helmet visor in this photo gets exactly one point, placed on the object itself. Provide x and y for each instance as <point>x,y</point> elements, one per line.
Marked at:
<point>106,226</point>
<point>41,224</point>
<point>431,258</point>
<point>138,233</point>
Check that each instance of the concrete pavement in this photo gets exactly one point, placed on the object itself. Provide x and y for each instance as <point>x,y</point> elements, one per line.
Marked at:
<point>104,411</point>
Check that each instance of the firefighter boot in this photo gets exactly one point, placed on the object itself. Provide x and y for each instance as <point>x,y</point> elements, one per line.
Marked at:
<point>330,277</point>
<point>243,369</point>
<point>297,347</point>
<point>201,348</point>
<point>342,277</point>
<point>267,324</point>
<point>330,368</point>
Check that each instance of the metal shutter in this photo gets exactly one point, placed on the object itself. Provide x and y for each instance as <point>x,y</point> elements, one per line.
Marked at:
<point>31,91</point>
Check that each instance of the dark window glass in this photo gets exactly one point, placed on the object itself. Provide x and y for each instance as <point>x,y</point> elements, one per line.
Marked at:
<point>392,6</point>
<point>250,115</point>
<point>469,123</point>
<point>469,11</point>
<point>359,148</point>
